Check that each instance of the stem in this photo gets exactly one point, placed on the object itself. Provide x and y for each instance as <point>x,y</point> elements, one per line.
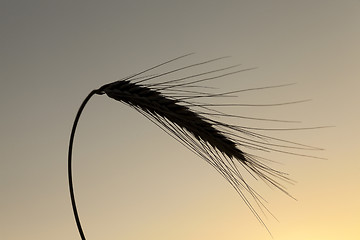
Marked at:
<point>71,189</point>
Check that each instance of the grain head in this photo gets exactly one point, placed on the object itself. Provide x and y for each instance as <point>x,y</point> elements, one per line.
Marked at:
<point>175,106</point>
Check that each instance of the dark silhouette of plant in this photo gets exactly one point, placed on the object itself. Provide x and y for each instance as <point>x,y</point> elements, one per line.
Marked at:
<point>172,105</point>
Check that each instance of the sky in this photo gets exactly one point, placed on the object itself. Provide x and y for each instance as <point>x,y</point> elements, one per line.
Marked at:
<point>132,181</point>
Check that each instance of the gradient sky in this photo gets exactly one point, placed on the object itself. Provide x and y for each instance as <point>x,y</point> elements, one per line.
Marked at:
<point>132,181</point>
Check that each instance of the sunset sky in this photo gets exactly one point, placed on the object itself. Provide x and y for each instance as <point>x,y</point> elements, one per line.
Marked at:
<point>132,181</point>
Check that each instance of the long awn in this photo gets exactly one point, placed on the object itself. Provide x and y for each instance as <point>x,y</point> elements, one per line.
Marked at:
<point>199,126</point>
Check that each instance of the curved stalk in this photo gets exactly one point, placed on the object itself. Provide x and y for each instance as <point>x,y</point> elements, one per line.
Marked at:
<point>71,188</point>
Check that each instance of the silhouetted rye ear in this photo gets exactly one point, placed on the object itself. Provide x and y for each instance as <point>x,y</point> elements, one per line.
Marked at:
<point>200,127</point>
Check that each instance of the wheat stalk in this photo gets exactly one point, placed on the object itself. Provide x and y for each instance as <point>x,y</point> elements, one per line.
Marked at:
<point>171,105</point>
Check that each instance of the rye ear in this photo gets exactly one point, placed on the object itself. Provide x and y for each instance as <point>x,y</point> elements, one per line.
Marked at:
<point>200,127</point>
